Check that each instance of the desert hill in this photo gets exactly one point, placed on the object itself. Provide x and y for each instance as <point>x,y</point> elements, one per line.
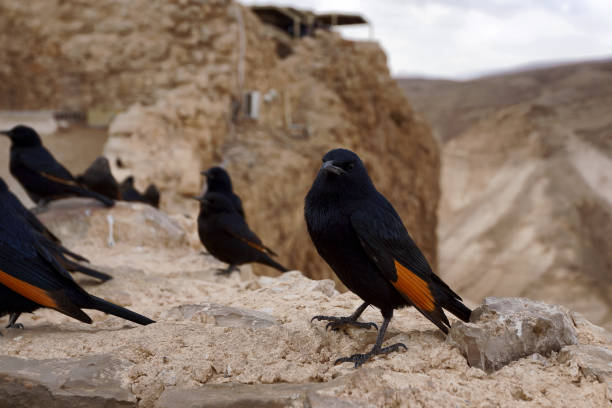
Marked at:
<point>526,183</point>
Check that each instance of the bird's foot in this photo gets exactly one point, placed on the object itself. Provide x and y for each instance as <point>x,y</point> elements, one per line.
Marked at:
<point>359,359</point>
<point>15,326</point>
<point>336,323</point>
<point>228,271</point>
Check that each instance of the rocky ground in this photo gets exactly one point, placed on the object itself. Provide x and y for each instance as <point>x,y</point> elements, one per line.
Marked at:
<point>248,340</point>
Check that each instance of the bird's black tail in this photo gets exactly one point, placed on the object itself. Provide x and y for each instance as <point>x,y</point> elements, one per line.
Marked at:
<point>110,308</point>
<point>451,301</point>
<point>270,262</point>
<point>75,267</point>
<point>101,198</point>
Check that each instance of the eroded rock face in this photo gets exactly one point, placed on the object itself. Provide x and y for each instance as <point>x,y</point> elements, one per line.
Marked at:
<point>503,330</point>
<point>178,86</point>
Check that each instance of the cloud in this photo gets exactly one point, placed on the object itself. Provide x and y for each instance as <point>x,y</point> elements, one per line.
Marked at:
<point>459,38</point>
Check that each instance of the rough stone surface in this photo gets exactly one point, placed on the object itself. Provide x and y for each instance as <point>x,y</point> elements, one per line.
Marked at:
<point>190,353</point>
<point>221,315</point>
<point>504,330</point>
<point>177,85</point>
<point>85,382</point>
<point>593,361</point>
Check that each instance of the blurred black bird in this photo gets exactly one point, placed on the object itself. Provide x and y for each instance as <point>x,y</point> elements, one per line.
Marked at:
<point>48,239</point>
<point>218,181</point>
<point>31,277</point>
<point>99,178</point>
<point>129,192</point>
<point>152,196</point>
<point>43,177</point>
<point>362,238</point>
<point>226,235</point>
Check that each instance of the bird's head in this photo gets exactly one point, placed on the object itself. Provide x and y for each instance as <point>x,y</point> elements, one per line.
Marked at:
<point>343,172</point>
<point>218,179</point>
<point>22,136</point>
<point>214,203</point>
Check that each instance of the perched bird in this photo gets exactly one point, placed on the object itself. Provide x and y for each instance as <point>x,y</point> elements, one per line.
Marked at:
<point>48,239</point>
<point>362,238</point>
<point>218,181</point>
<point>99,178</point>
<point>43,177</point>
<point>31,278</point>
<point>129,192</point>
<point>152,196</point>
<point>226,235</point>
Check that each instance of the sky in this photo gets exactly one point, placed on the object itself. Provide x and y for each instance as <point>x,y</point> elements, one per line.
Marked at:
<point>461,39</point>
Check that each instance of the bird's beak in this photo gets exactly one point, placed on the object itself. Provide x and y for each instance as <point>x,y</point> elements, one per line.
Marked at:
<point>329,166</point>
<point>5,133</point>
<point>204,173</point>
<point>199,198</point>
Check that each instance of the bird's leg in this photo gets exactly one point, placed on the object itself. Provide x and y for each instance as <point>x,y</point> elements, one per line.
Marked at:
<point>228,271</point>
<point>336,323</point>
<point>359,359</point>
<point>13,322</point>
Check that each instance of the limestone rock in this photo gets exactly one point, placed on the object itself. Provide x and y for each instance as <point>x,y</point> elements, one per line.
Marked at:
<point>503,330</point>
<point>221,315</point>
<point>86,382</point>
<point>592,360</point>
<point>126,224</point>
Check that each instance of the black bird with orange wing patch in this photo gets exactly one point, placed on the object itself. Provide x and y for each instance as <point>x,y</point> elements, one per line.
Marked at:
<point>68,259</point>
<point>226,235</point>
<point>31,277</point>
<point>43,177</point>
<point>361,236</point>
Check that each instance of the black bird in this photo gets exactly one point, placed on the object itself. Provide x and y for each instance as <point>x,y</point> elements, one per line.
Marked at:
<point>129,193</point>
<point>99,178</point>
<point>48,239</point>
<point>43,177</point>
<point>226,235</point>
<point>218,181</point>
<point>361,236</point>
<point>152,196</point>
<point>31,277</point>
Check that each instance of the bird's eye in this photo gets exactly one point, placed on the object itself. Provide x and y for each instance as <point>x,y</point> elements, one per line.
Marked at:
<point>347,166</point>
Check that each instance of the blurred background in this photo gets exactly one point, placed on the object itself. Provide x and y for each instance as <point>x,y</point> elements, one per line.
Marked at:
<point>487,125</point>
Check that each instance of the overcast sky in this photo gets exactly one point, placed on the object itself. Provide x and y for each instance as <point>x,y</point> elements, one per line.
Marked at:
<point>465,38</point>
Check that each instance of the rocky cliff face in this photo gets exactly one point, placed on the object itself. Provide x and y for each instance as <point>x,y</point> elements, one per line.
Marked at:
<point>527,195</point>
<point>182,82</point>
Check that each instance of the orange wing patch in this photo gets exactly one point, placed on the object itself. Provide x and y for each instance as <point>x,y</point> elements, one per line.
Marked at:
<point>413,287</point>
<point>254,245</point>
<point>59,180</point>
<point>31,292</point>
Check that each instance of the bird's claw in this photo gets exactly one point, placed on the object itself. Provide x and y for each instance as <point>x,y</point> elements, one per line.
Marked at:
<point>359,359</point>
<point>336,323</point>
<point>226,271</point>
<point>16,326</point>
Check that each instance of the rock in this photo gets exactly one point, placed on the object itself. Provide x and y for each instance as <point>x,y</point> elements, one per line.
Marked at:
<point>86,382</point>
<point>593,361</point>
<point>503,330</point>
<point>256,395</point>
<point>221,315</point>
<point>74,220</point>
